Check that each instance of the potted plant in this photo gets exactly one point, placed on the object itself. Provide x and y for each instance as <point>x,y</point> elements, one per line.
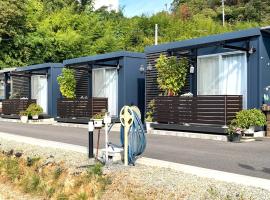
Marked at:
<point>150,115</point>
<point>24,116</point>
<point>249,119</point>
<point>98,118</point>
<point>235,133</point>
<point>34,110</point>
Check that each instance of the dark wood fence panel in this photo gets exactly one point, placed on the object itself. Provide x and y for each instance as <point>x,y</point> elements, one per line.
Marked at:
<point>219,110</point>
<point>80,108</point>
<point>15,106</point>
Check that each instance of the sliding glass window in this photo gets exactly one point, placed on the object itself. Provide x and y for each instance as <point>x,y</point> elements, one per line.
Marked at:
<point>223,74</point>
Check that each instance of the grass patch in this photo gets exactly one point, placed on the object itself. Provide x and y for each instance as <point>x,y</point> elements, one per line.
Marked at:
<point>52,181</point>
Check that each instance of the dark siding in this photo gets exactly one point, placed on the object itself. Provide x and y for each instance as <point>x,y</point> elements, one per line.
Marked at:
<point>82,79</point>
<point>20,87</point>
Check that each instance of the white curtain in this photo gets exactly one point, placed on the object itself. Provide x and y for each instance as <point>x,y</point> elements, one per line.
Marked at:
<point>208,70</point>
<point>223,75</point>
<point>2,89</point>
<point>105,84</point>
<point>39,91</point>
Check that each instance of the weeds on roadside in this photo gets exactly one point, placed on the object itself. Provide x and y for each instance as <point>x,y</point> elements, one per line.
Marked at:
<point>10,166</point>
<point>82,196</point>
<point>52,180</point>
<point>57,173</point>
<point>95,170</point>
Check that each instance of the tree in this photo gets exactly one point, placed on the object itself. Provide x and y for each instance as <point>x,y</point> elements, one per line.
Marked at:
<point>172,74</point>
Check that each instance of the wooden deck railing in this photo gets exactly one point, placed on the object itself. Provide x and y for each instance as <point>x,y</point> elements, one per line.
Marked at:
<point>218,110</point>
<point>80,108</point>
<point>15,106</point>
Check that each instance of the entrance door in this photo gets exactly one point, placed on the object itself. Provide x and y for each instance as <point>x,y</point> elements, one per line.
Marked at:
<point>105,84</point>
<point>39,91</point>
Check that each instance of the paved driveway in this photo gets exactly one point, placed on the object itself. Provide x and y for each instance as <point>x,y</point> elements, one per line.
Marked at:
<point>251,159</point>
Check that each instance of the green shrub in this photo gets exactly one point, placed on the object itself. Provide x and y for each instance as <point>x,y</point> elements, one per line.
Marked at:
<point>67,83</point>
<point>246,118</point>
<point>82,196</point>
<point>31,161</point>
<point>95,170</point>
<point>57,173</point>
<point>23,113</point>
<point>11,168</point>
<point>172,74</point>
<point>34,109</point>
<point>32,184</point>
<point>98,116</point>
<point>151,110</point>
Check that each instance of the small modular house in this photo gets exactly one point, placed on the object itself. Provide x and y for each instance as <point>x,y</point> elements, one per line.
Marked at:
<point>107,81</point>
<point>32,84</point>
<point>227,72</point>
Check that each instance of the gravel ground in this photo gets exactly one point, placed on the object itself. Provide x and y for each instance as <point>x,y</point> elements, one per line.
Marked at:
<point>139,182</point>
<point>6,194</point>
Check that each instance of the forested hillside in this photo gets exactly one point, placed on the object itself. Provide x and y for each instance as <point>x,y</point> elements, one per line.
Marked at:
<point>37,31</point>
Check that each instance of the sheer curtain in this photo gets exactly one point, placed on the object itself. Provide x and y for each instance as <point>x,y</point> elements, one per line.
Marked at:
<point>208,71</point>
<point>39,91</point>
<point>234,75</point>
<point>223,75</point>
<point>105,84</point>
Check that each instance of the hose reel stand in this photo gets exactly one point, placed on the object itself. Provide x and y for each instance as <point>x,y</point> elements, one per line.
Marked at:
<point>126,119</point>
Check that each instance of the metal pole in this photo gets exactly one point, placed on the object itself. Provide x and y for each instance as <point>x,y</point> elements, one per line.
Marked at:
<point>106,142</point>
<point>156,34</point>
<point>223,12</point>
<point>98,143</point>
<point>90,139</point>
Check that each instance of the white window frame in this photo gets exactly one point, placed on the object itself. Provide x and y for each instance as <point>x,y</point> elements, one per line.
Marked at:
<point>219,55</point>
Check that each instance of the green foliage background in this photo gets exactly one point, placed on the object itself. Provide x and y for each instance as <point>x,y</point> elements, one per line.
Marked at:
<point>38,31</point>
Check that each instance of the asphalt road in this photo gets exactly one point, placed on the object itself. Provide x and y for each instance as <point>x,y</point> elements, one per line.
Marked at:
<point>251,159</point>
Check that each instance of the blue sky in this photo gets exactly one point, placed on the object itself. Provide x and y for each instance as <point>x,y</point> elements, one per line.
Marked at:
<point>138,7</point>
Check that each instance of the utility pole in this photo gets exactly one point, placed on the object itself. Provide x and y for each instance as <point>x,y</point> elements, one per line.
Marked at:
<point>223,12</point>
<point>156,34</point>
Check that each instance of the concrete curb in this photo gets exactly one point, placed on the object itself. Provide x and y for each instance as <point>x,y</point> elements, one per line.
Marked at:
<point>204,136</point>
<point>198,171</point>
<point>49,121</point>
<point>44,143</point>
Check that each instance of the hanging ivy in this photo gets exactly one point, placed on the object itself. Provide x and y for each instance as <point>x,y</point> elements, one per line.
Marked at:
<point>172,73</point>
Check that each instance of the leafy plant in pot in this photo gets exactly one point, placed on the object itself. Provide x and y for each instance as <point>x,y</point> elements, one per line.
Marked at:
<point>235,132</point>
<point>98,118</point>
<point>34,110</point>
<point>150,114</point>
<point>24,116</point>
<point>249,119</point>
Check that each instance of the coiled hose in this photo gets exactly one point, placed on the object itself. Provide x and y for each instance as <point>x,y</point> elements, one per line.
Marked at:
<point>136,139</point>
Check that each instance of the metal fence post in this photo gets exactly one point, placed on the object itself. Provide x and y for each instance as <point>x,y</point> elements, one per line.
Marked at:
<point>91,139</point>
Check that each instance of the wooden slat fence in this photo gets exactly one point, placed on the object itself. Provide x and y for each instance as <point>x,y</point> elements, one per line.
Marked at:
<point>217,110</point>
<point>80,108</point>
<point>15,106</point>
